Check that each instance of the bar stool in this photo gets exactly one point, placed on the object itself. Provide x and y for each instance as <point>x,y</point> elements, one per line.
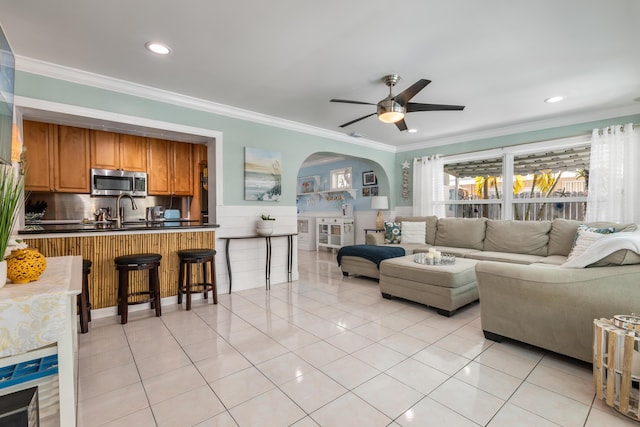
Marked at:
<point>84,301</point>
<point>188,257</point>
<point>134,262</point>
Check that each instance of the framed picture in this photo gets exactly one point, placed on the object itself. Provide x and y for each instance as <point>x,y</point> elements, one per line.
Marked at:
<point>374,191</point>
<point>308,184</point>
<point>262,175</point>
<point>365,192</point>
<point>369,178</point>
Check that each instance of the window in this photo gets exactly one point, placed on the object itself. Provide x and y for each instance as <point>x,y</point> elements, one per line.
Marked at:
<point>541,181</point>
<point>341,179</point>
<point>474,188</point>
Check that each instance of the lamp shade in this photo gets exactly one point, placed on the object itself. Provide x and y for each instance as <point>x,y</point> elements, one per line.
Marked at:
<point>379,202</point>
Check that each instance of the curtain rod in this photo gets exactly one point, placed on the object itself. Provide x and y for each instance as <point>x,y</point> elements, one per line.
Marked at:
<point>621,127</point>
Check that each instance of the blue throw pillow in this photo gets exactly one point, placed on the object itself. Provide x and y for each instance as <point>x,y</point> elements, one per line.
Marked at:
<point>392,232</point>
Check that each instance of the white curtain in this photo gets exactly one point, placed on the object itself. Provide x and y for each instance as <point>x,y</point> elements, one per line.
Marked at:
<point>428,186</point>
<point>614,175</point>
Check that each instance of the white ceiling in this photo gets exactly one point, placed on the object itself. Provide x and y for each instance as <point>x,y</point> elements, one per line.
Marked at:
<point>287,58</point>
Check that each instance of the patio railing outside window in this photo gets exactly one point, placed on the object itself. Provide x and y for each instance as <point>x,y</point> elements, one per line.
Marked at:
<point>546,184</point>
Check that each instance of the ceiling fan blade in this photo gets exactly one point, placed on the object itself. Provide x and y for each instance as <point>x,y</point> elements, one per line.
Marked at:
<point>411,107</point>
<point>405,96</point>
<point>357,120</point>
<point>346,101</point>
<point>401,124</point>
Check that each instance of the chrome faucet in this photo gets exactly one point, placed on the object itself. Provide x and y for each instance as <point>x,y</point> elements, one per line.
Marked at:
<point>118,218</point>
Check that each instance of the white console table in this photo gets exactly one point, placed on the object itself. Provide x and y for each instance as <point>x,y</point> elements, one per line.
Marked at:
<point>48,306</point>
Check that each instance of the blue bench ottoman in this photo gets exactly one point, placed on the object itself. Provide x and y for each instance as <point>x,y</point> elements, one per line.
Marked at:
<point>364,260</point>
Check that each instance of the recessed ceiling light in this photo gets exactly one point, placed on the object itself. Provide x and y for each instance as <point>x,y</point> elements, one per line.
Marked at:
<point>412,130</point>
<point>157,47</point>
<point>554,99</point>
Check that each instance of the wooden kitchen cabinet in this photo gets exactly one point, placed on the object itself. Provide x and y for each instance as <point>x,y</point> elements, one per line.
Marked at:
<point>57,158</point>
<point>110,150</point>
<point>133,153</point>
<point>170,167</point>
<point>105,150</point>
<point>182,165</point>
<point>39,155</point>
<point>72,160</point>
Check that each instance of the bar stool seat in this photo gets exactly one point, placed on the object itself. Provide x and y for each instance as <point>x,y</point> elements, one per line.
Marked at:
<point>134,262</point>
<point>188,257</point>
<point>84,300</point>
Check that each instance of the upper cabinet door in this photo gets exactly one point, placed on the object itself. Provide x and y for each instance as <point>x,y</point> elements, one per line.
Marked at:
<point>133,153</point>
<point>158,166</point>
<point>72,160</point>
<point>37,138</point>
<point>182,169</point>
<point>105,150</point>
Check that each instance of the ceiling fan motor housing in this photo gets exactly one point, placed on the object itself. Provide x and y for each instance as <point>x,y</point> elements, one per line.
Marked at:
<point>389,111</point>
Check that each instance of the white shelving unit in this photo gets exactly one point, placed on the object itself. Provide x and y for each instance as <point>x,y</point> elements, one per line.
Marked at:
<point>334,232</point>
<point>307,233</point>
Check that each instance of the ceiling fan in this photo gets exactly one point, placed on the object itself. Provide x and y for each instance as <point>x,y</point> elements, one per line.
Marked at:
<point>393,108</point>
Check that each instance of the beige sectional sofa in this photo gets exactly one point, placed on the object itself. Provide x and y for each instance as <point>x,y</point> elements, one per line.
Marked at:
<point>524,291</point>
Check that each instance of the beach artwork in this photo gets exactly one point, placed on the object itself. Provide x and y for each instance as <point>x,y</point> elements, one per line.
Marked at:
<point>262,175</point>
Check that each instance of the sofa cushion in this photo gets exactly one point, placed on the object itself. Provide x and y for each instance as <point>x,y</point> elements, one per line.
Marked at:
<point>562,235</point>
<point>431,224</point>
<point>512,258</point>
<point>392,232</point>
<point>413,232</point>
<point>618,228</point>
<point>461,232</point>
<point>518,237</point>
<point>621,257</point>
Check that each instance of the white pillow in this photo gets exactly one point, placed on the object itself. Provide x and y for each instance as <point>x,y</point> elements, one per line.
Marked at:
<point>414,232</point>
<point>585,239</point>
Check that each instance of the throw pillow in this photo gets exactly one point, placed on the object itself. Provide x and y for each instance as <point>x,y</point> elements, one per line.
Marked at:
<point>414,232</point>
<point>585,238</point>
<point>583,227</point>
<point>392,232</point>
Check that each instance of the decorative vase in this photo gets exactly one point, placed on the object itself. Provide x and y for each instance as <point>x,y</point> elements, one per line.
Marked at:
<point>3,273</point>
<point>265,227</point>
<point>25,265</point>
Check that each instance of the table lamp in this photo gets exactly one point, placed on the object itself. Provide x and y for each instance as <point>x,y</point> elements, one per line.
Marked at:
<point>379,202</point>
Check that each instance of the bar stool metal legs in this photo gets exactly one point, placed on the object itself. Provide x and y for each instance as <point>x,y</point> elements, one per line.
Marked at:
<point>189,257</point>
<point>128,263</point>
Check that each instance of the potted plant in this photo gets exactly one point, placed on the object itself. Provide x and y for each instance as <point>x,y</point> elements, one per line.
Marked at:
<point>265,225</point>
<point>11,197</point>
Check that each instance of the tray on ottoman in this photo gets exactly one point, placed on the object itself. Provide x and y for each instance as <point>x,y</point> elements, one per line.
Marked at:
<point>445,287</point>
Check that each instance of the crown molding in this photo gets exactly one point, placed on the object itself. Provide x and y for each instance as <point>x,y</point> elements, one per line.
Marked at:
<point>73,75</point>
<point>524,127</point>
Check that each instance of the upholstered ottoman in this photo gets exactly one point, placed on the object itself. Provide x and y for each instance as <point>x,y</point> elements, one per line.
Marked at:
<point>445,287</point>
<point>364,260</point>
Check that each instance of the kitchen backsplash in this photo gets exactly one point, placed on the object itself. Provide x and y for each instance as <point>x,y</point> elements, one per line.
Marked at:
<point>70,206</point>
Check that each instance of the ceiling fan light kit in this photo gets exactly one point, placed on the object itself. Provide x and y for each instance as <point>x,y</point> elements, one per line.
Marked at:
<point>393,108</point>
<point>389,111</point>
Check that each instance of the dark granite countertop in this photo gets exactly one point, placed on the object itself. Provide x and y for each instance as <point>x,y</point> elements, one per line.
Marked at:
<point>47,227</point>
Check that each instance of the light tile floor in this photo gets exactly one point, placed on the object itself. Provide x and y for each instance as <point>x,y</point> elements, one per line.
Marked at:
<point>325,350</point>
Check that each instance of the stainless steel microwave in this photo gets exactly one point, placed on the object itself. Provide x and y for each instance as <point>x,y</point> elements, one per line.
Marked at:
<point>110,182</point>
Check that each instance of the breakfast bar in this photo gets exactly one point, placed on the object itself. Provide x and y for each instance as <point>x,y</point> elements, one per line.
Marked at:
<point>102,245</point>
